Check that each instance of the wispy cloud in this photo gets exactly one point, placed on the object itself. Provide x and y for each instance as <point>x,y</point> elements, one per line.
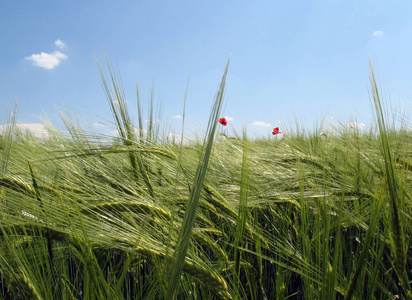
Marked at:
<point>154,121</point>
<point>37,129</point>
<point>177,117</point>
<point>47,60</point>
<point>228,118</point>
<point>378,33</point>
<point>60,44</point>
<point>100,125</point>
<point>261,124</point>
<point>356,125</point>
<point>177,138</point>
<point>174,137</point>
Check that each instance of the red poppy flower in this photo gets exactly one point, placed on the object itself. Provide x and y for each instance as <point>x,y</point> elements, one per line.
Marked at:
<point>276,131</point>
<point>223,121</point>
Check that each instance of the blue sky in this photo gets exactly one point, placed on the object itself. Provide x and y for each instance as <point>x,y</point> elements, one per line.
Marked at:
<point>308,59</point>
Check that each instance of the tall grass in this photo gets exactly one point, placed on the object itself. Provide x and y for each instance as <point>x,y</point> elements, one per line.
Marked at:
<point>188,223</point>
<point>7,137</point>
<point>308,216</point>
<point>393,185</point>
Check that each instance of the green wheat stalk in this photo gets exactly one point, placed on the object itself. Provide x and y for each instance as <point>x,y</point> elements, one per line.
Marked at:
<point>125,126</point>
<point>392,182</point>
<point>242,212</point>
<point>190,214</point>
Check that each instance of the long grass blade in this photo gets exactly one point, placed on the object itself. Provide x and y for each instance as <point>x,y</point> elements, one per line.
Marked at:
<point>191,209</point>
<point>7,133</point>
<point>392,182</point>
<point>242,212</point>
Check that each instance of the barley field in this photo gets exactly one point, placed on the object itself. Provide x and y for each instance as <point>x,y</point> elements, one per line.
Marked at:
<point>320,214</point>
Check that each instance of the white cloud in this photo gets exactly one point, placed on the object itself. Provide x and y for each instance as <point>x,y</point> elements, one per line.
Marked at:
<point>177,138</point>
<point>123,101</point>
<point>356,125</point>
<point>228,118</point>
<point>177,117</point>
<point>37,129</point>
<point>261,124</point>
<point>174,137</point>
<point>378,33</point>
<point>115,133</point>
<point>47,60</point>
<point>60,44</point>
<point>98,124</point>
<point>154,121</point>
<point>102,126</point>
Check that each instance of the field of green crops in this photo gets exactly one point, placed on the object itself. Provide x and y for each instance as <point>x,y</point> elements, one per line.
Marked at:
<point>308,216</point>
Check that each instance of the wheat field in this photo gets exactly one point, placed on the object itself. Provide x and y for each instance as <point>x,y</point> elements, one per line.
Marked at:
<point>313,215</point>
